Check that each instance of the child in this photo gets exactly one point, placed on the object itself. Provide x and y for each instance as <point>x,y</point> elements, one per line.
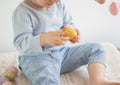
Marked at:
<point>44,54</point>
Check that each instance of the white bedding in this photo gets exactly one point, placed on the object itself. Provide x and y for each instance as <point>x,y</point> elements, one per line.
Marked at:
<point>77,77</point>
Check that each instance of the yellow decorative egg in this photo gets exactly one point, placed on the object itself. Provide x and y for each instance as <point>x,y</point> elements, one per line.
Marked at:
<point>71,32</point>
<point>9,74</point>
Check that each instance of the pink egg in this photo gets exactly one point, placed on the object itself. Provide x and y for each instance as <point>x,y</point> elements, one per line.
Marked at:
<point>113,8</point>
<point>13,69</point>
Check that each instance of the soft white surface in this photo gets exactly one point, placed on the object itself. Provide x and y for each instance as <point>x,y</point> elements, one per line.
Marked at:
<point>77,77</point>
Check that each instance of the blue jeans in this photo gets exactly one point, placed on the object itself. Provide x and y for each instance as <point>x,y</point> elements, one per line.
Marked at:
<point>45,68</point>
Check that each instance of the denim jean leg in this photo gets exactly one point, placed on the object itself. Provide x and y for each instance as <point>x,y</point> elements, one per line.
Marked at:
<point>98,54</point>
<point>81,55</point>
<point>40,69</point>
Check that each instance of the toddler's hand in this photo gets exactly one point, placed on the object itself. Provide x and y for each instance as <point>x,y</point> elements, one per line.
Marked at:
<point>77,38</point>
<point>53,38</point>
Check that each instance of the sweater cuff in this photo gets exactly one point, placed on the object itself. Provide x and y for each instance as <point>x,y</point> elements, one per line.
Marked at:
<point>35,44</point>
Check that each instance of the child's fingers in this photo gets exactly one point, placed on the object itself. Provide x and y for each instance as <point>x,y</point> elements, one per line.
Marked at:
<point>61,40</point>
<point>64,38</point>
<point>62,33</point>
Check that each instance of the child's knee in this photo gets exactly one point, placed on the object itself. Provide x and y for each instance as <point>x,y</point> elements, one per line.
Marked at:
<point>97,53</point>
<point>97,48</point>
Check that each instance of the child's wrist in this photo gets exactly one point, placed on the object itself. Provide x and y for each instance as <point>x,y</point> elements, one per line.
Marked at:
<point>42,40</point>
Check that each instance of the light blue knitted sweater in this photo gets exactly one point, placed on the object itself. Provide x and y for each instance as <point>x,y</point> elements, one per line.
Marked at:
<point>30,22</point>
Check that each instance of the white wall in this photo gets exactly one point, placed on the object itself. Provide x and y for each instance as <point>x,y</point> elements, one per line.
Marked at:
<point>6,32</point>
<point>93,19</point>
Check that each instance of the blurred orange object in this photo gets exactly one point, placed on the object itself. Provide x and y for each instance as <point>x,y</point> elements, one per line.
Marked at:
<point>100,1</point>
<point>71,32</point>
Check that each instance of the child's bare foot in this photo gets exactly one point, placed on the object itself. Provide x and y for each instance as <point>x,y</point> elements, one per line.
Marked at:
<point>110,83</point>
<point>106,82</point>
<point>113,83</point>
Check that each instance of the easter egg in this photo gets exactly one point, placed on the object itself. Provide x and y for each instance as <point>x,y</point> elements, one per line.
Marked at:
<point>2,80</point>
<point>13,69</point>
<point>9,74</point>
<point>71,32</point>
<point>113,8</point>
<point>101,1</point>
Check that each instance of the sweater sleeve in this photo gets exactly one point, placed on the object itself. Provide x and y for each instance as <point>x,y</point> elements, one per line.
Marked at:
<point>67,17</point>
<point>24,40</point>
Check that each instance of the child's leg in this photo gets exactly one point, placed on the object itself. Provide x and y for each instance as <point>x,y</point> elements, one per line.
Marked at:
<point>96,74</point>
<point>92,54</point>
<point>41,69</point>
<point>81,55</point>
